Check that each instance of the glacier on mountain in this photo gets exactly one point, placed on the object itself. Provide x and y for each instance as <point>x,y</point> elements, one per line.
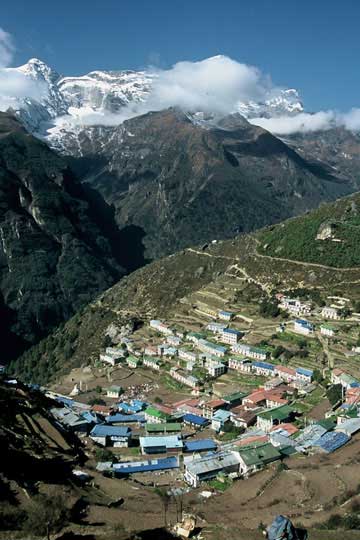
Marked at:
<point>70,105</point>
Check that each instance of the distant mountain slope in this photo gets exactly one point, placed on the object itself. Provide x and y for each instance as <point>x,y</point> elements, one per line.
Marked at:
<point>160,288</point>
<point>56,253</point>
<point>183,183</point>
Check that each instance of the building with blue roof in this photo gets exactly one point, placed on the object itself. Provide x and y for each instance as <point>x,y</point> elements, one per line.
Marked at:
<point>226,315</point>
<point>303,326</point>
<point>304,374</point>
<point>194,420</point>
<point>117,436</point>
<point>161,445</point>
<point>331,441</point>
<point>153,465</point>
<point>262,368</point>
<point>200,445</point>
<point>231,336</point>
<point>212,348</point>
<point>219,419</point>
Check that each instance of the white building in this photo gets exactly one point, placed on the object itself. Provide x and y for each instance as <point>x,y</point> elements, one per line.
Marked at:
<point>327,330</point>
<point>215,370</point>
<point>330,313</point>
<point>187,355</point>
<point>302,326</point>
<point>152,363</point>
<point>208,347</point>
<point>241,364</point>
<point>215,327</point>
<point>114,391</point>
<point>159,326</point>
<point>295,306</point>
<point>226,315</point>
<point>230,336</point>
<point>184,378</point>
<point>252,352</point>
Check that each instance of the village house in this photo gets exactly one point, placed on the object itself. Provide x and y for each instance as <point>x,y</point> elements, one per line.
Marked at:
<point>152,363</point>
<point>275,400</point>
<point>215,327</point>
<point>327,330</point>
<point>305,375</point>
<point>112,356</point>
<point>231,336</point>
<point>272,383</point>
<point>117,436</point>
<point>215,370</point>
<point>195,337</point>
<point>195,421</point>
<point>114,391</point>
<point>208,347</point>
<point>295,306</point>
<point>210,407</point>
<point>161,327</point>
<point>256,353</point>
<point>173,340</point>
<point>330,313</point>
<point>263,368</point>
<point>255,399</point>
<point>166,350</point>
<point>208,467</point>
<point>155,416</point>
<point>241,417</point>
<point>302,326</point>
<point>133,362</point>
<point>187,355</point>
<point>338,376</point>
<point>255,458</point>
<point>272,417</point>
<point>220,419</point>
<point>150,350</point>
<point>234,399</point>
<point>352,396</point>
<point>190,365</point>
<point>285,373</point>
<point>226,315</point>
<point>161,444</point>
<point>240,364</point>
<point>104,410</point>
<point>185,378</point>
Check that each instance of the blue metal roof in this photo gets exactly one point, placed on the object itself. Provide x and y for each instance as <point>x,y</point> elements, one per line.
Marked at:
<point>226,312</point>
<point>124,418</point>
<point>66,401</point>
<point>110,431</point>
<point>169,441</point>
<point>194,419</point>
<point>306,372</point>
<point>332,440</point>
<point>264,365</point>
<point>304,322</point>
<point>145,466</point>
<point>200,445</point>
<point>231,331</point>
<point>91,417</point>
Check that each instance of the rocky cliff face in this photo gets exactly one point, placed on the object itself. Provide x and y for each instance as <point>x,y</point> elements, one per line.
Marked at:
<point>54,254</point>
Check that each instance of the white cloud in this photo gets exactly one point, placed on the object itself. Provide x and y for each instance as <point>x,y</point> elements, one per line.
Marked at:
<point>14,85</point>
<point>7,48</point>
<point>215,85</point>
<point>299,123</point>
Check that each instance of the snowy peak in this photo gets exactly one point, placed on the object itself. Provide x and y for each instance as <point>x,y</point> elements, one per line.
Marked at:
<point>57,107</point>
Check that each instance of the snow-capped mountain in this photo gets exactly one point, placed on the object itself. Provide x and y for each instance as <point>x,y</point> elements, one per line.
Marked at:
<point>63,103</point>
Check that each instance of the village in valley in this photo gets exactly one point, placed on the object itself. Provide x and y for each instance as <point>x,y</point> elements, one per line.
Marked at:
<point>219,390</point>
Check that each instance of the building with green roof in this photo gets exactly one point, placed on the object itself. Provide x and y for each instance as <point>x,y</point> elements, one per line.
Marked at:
<point>154,416</point>
<point>255,458</point>
<point>272,417</point>
<point>167,427</point>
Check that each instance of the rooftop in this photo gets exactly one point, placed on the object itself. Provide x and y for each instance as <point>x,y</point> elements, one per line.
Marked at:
<point>277,413</point>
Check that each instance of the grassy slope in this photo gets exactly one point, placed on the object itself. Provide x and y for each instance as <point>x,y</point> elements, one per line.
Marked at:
<point>296,238</point>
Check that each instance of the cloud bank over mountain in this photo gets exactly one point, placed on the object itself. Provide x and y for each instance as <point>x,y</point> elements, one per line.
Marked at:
<point>218,85</point>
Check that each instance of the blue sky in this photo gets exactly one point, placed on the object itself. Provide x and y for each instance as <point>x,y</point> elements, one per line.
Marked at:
<point>313,46</point>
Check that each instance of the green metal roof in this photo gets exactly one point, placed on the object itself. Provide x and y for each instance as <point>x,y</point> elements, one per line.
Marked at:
<point>278,413</point>
<point>235,396</point>
<point>259,455</point>
<point>327,423</point>
<point>152,411</point>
